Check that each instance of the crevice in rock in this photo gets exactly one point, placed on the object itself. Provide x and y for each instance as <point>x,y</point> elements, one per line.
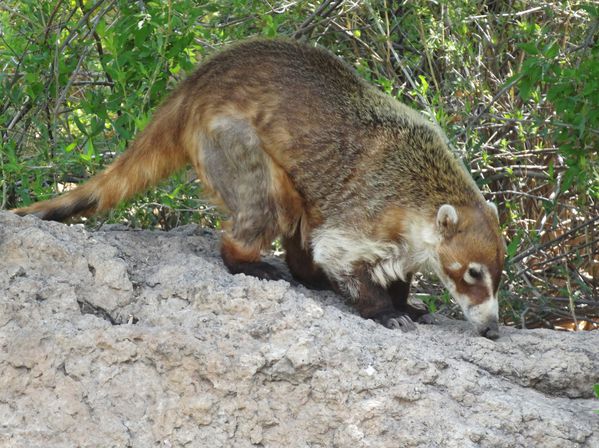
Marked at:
<point>541,384</point>
<point>87,308</point>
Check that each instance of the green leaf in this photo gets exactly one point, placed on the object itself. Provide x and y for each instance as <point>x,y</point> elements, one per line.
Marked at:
<point>423,84</point>
<point>524,89</point>
<point>512,248</point>
<point>551,50</point>
<point>529,48</point>
<point>569,177</point>
<point>593,10</point>
<point>70,147</point>
<point>79,125</point>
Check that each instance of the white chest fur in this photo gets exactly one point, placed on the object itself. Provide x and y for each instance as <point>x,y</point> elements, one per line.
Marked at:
<point>338,251</point>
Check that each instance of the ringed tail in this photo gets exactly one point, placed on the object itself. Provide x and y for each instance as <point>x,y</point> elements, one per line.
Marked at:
<point>155,153</point>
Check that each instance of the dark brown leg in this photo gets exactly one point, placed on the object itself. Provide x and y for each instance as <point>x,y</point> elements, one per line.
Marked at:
<point>375,302</point>
<point>301,264</point>
<point>399,292</point>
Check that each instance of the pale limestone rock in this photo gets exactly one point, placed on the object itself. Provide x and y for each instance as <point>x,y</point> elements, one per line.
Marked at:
<point>138,338</point>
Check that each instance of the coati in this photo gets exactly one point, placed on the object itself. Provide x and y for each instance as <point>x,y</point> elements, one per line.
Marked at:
<point>294,144</point>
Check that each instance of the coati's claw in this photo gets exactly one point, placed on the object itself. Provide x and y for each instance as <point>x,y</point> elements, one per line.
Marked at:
<point>403,323</point>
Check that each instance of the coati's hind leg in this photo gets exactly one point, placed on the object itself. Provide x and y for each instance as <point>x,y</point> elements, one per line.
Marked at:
<point>301,264</point>
<point>245,179</point>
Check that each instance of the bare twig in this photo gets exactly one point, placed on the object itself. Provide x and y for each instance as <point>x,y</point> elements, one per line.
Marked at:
<point>555,241</point>
<point>324,10</point>
<point>570,297</point>
<point>507,14</point>
<point>91,29</point>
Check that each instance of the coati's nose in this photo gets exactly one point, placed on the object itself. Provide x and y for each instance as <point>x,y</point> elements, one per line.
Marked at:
<point>490,331</point>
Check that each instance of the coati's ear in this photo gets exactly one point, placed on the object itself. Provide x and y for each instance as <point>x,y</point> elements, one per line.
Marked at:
<point>447,220</point>
<point>493,207</point>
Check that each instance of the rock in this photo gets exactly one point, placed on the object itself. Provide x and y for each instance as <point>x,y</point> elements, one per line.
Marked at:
<point>141,338</point>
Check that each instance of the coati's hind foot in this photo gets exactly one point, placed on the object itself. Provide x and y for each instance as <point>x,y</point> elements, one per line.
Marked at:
<point>259,269</point>
<point>240,259</point>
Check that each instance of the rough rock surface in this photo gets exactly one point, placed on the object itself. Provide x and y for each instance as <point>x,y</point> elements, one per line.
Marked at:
<point>139,338</point>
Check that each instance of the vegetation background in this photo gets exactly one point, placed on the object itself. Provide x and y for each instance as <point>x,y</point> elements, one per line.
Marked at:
<point>515,84</point>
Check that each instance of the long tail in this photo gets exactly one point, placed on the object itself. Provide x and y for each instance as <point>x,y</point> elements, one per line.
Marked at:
<point>156,153</point>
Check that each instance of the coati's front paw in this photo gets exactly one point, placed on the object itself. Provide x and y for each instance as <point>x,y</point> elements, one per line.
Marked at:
<point>432,319</point>
<point>403,323</point>
<point>428,319</point>
<point>398,322</point>
<point>260,269</point>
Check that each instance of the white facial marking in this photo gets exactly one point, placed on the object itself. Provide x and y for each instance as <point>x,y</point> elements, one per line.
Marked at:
<point>484,312</point>
<point>488,281</point>
<point>455,266</point>
<point>462,300</point>
<point>475,273</point>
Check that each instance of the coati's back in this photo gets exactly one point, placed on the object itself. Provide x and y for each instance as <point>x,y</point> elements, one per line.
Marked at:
<point>328,128</point>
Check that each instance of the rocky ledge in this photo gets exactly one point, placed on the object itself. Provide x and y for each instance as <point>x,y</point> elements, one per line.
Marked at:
<point>140,338</point>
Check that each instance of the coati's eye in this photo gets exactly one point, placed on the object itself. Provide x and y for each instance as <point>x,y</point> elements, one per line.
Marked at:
<point>475,273</point>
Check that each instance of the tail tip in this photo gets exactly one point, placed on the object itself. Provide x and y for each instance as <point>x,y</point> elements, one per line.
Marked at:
<point>60,210</point>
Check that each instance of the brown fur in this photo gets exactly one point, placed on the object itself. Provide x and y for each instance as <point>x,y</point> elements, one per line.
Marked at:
<point>290,140</point>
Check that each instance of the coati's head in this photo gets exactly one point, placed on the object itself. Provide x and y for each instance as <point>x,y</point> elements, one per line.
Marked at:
<point>471,253</point>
